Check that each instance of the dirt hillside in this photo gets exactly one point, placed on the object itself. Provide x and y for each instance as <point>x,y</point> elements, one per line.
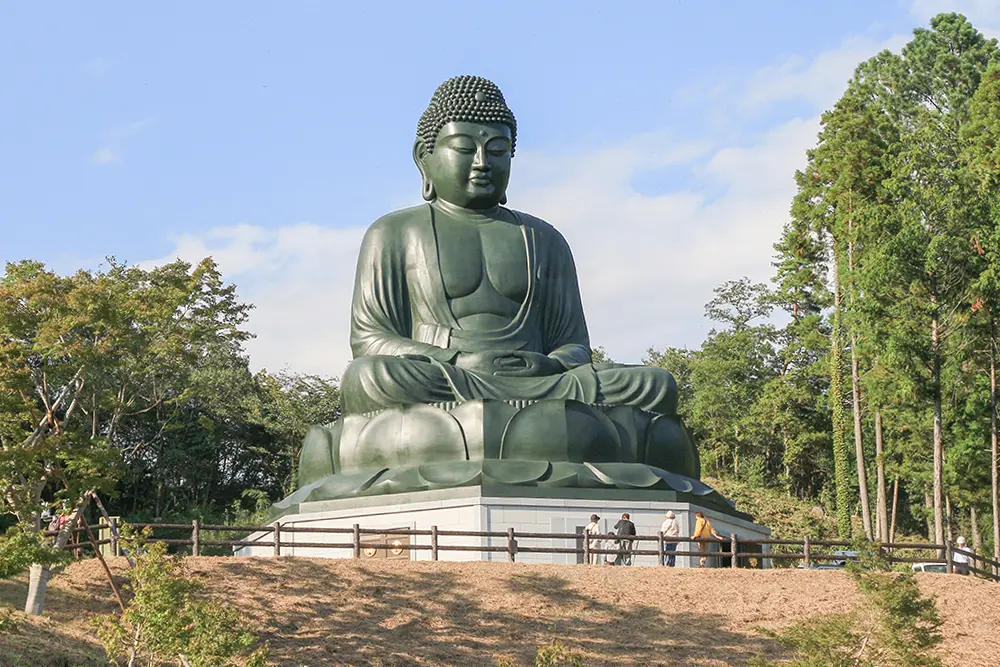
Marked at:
<point>323,612</point>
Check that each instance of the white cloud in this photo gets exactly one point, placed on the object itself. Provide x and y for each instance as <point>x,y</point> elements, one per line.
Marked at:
<point>112,149</point>
<point>983,14</point>
<point>648,264</point>
<point>974,10</point>
<point>300,279</point>
<point>819,81</point>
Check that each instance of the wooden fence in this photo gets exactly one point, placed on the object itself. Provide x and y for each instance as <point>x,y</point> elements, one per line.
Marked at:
<point>734,551</point>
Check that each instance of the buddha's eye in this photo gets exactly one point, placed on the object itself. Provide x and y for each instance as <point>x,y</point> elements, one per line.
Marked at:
<point>462,145</point>
<point>498,147</point>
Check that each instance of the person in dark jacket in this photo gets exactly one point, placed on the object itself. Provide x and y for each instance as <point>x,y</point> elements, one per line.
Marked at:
<point>625,530</point>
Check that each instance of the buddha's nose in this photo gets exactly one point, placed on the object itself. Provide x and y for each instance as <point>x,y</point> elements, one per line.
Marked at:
<point>480,162</point>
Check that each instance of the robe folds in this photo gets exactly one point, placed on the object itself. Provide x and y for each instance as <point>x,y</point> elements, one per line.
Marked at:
<point>405,338</point>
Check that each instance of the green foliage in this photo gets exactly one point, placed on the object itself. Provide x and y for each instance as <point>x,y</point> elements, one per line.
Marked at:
<point>551,655</point>
<point>166,619</point>
<point>557,655</point>
<point>7,621</point>
<point>84,356</point>
<point>751,394</point>
<point>600,356</point>
<point>788,518</point>
<point>21,547</point>
<point>893,626</point>
<point>888,271</point>
<point>820,641</point>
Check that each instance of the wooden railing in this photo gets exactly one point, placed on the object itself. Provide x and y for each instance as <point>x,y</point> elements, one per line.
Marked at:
<point>734,551</point>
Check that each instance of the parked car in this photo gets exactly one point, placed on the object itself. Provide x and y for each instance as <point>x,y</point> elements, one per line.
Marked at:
<point>838,562</point>
<point>929,567</point>
<point>841,559</point>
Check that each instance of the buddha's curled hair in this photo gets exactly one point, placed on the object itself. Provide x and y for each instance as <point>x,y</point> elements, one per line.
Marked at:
<point>470,99</point>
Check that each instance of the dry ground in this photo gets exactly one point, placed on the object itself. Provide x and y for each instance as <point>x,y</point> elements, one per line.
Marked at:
<point>317,612</point>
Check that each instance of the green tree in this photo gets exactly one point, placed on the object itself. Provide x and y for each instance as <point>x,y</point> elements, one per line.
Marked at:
<point>679,362</point>
<point>83,355</point>
<point>728,375</point>
<point>166,620</point>
<point>981,144</point>
<point>924,267</point>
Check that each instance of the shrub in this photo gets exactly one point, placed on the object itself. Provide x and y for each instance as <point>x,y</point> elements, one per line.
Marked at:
<point>165,621</point>
<point>21,546</point>
<point>552,655</point>
<point>557,655</point>
<point>893,626</point>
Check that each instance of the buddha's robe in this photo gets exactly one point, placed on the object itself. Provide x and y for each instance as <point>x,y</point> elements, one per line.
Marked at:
<point>405,337</point>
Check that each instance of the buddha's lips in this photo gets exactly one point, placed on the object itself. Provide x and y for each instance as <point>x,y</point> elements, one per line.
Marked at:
<point>480,180</point>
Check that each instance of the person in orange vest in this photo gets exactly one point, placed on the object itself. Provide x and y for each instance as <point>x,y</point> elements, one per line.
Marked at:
<point>703,530</point>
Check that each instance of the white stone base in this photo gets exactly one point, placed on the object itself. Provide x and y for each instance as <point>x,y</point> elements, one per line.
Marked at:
<point>467,509</point>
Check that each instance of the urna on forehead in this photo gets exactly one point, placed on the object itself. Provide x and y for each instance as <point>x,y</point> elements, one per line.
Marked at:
<point>470,99</point>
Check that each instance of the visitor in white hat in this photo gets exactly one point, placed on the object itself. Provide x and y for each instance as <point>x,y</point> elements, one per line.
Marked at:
<point>961,561</point>
<point>670,529</point>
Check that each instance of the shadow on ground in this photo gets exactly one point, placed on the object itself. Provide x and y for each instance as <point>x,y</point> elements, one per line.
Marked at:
<point>429,614</point>
<point>319,613</point>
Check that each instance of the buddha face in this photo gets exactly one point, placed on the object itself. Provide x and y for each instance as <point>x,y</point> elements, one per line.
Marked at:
<point>470,164</point>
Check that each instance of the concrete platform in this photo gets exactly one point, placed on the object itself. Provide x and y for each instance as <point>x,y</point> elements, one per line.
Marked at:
<point>472,509</point>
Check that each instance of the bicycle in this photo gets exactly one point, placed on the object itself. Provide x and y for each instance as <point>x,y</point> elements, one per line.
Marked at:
<point>624,556</point>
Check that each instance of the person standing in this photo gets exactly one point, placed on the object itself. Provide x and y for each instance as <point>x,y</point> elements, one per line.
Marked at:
<point>670,529</point>
<point>592,531</point>
<point>702,531</point>
<point>961,561</point>
<point>625,530</point>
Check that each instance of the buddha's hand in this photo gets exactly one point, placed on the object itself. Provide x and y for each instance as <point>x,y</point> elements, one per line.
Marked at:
<point>485,363</point>
<point>528,364</point>
<point>509,363</point>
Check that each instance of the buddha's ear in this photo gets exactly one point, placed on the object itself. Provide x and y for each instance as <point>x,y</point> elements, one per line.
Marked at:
<point>420,154</point>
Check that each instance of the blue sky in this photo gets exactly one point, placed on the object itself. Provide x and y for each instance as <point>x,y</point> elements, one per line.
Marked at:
<point>661,139</point>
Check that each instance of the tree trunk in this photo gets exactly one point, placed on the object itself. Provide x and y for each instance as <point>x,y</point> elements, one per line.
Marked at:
<point>38,575</point>
<point>929,517</point>
<point>938,435</point>
<point>841,464</point>
<point>947,519</point>
<point>859,450</point>
<point>895,506</point>
<point>977,539</point>
<point>882,516</point>
<point>38,583</point>
<point>993,442</point>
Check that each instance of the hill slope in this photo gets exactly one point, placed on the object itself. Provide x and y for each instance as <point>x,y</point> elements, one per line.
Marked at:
<point>323,612</point>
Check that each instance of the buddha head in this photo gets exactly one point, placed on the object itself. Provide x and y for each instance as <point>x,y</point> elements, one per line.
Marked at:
<point>465,140</point>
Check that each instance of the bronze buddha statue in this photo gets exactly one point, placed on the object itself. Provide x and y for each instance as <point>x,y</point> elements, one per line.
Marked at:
<point>472,361</point>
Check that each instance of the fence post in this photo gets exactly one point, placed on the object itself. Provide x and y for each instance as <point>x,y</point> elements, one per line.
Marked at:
<point>434,542</point>
<point>195,537</point>
<point>733,550</point>
<point>586,547</point>
<point>661,550</point>
<point>806,553</point>
<point>357,541</point>
<point>277,539</point>
<point>115,548</point>
<point>511,544</point>
<point>950,565</point>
